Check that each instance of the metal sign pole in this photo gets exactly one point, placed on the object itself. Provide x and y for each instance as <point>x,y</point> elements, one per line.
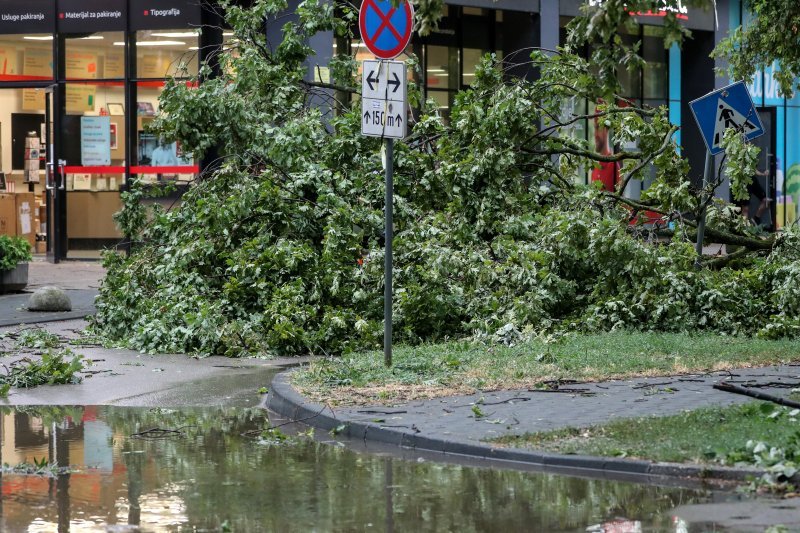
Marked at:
<point>386,31</point>
<point>389,234</point>
<point>701,224</point>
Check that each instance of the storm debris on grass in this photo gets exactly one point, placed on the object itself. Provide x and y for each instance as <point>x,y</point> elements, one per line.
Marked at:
<point>756,434</point>
<point>464,367</point>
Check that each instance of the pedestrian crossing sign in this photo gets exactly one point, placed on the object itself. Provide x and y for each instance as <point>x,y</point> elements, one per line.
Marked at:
<point>729,107</point>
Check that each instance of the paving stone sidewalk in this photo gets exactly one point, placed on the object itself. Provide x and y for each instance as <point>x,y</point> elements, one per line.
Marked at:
<point>450,425</point>
<point>574,405</point>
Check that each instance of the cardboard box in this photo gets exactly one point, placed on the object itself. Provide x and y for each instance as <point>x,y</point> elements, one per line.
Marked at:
<point>25,206</point>
<point>8,215</point>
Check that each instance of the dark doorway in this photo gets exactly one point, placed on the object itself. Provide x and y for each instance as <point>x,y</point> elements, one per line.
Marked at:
<point>21,124</point>
<point>762,194</point>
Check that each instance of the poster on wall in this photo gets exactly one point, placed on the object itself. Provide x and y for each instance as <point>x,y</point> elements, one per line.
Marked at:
<point>114,65</point>
<point>32,99</point>
<point>95,141</point>
<point>81,65</point>
<point>38,62</point>
<point>154,65</point>
<point>157,152</point>
<point>80,98</point>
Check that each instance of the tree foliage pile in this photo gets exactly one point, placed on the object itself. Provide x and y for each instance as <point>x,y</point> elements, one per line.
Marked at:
<point>280,250</point>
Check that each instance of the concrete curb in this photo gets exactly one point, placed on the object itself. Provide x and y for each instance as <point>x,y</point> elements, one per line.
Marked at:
<point>287,402</point>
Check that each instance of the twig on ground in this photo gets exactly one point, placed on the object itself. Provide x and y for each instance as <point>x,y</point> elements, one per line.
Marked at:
<point>736,389</point>
<point>649,385</point>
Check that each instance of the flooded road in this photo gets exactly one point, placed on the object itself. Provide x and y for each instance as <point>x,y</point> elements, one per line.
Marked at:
<point>213,469</point>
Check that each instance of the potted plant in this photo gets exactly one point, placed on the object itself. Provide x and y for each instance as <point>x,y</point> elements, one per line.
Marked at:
<point>15,252</point>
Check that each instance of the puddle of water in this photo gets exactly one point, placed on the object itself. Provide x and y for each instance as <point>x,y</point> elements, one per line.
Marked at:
<point>210,477</point>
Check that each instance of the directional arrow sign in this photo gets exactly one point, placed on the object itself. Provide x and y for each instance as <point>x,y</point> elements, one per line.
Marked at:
<point>383,79</point>
<point>383,99</point>
<point>729,107</point>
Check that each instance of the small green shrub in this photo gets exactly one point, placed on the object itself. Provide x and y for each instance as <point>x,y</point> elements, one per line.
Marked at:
<point>13,251</point>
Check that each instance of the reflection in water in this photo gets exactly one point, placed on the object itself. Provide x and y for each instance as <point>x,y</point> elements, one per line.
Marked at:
<point>212,475</point>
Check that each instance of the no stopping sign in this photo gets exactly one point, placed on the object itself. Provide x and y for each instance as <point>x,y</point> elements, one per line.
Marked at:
<point>385,29</point>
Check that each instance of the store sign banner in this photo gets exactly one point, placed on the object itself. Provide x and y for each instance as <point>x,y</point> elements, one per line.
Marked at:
<point>164,14</point>
<point>27,16</point>
<point>80,16</point>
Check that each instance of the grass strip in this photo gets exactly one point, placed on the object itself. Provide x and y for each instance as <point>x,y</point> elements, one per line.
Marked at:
<point>715,434</point>
<point>433,370</point>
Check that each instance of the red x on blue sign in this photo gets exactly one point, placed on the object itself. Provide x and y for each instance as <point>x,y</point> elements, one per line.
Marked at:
<point>386,30</point>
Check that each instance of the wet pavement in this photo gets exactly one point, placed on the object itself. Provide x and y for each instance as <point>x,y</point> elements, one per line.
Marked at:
<point>212,469</point>
<point>127,377</point>
<point>13,308</point>
<point>220,474</point>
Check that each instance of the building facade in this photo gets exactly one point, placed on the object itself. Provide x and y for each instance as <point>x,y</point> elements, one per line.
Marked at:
<point>79,81</point>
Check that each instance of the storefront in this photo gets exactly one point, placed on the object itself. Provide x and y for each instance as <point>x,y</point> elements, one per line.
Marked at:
<point>779,160</point>
<point>79,82</point>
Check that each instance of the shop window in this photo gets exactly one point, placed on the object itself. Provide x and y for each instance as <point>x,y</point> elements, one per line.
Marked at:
<point>630,80</point>
<point>26,57</point>
<point>441,67</point>
<point>161,54</point>
<point>166,53</point>
<point>473,11</point>
<point>654,73</point>
<point>472,57</point>
<point>157,159</point>
<point>94,57</point>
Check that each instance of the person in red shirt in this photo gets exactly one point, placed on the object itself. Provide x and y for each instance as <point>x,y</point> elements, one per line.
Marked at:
<point>608,173</point>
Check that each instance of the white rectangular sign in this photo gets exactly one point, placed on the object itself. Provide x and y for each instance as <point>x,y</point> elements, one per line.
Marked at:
<point>383,99</point>
<point>383,79</point>
<point>383,118</point>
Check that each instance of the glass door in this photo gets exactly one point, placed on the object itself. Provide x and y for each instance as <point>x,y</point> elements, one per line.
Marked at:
<point>92,130</point>
<point>762,206</point>
<point>55,192</point>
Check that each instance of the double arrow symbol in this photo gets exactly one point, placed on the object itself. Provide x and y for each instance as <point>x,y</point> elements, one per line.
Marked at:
<point>374,77</point>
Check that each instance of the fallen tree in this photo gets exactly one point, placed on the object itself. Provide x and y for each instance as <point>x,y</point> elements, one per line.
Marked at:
<point>279,250</point>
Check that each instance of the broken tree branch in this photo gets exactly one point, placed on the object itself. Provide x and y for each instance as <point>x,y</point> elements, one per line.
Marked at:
<point>736,389</point>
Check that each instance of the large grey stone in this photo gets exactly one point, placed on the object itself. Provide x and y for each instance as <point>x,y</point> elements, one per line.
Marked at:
<point>49,299</point>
